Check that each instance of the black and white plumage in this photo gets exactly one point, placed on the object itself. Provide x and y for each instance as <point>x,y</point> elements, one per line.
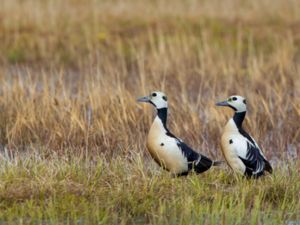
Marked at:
<point>239,149</point>
<point>167,150</point>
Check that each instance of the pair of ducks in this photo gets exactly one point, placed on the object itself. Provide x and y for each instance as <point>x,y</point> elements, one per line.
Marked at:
<point>240,150</point>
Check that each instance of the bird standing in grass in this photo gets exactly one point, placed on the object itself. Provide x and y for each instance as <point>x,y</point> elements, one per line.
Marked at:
<point>239,148</point>
<point>167,150</point>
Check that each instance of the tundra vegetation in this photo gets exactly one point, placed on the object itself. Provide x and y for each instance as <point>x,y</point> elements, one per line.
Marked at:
<point>73,137</point>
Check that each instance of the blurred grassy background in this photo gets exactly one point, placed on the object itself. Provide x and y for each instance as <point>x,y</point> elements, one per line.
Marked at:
<point>71,71</point>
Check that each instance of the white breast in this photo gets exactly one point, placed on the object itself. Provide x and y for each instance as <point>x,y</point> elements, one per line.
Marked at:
<point>234,145</point>
<point>164,149</point>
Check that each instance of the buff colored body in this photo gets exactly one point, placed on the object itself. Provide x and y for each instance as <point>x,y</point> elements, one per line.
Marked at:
<point>164,149</point>
<point>229,150</point>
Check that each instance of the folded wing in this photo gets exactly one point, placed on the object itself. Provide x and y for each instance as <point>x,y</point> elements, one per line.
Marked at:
<point>255,161</point>
<point>196,161</point>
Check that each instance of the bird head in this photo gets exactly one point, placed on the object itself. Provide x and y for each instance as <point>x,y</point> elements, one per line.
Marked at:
<point>236,102</point>
<point>156,98</point>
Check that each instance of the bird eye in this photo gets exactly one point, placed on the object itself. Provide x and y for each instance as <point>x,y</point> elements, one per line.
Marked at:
<point>244,101</point>
<point>165,98</point>
<point>154,94</point>
<point>234,98</point>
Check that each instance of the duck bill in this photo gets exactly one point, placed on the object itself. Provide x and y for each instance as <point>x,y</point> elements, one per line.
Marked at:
<point>224,103</point>
<point>144,99</point>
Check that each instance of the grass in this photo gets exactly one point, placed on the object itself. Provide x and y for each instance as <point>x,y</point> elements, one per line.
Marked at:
<point>73,137</point>
<point>62,191</point>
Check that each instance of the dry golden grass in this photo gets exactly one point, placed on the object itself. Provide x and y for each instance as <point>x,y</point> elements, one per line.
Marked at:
<point>70,72</point>
<point>196,52</point>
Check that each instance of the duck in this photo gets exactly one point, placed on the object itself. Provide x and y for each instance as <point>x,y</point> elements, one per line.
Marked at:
<point>168,151</point>
<point>240,150</point>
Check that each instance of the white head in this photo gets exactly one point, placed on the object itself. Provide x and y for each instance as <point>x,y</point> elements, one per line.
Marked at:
<point>236,102</point>
<point>156,98</point>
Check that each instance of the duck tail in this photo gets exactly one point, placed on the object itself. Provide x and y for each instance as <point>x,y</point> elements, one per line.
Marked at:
<point>268,167</point>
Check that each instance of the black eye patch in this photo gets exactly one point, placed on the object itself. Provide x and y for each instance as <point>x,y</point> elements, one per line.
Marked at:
<point>234,98</point>
<point>244,101</point>
<point>154,94</point>
<point>165,98</point>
